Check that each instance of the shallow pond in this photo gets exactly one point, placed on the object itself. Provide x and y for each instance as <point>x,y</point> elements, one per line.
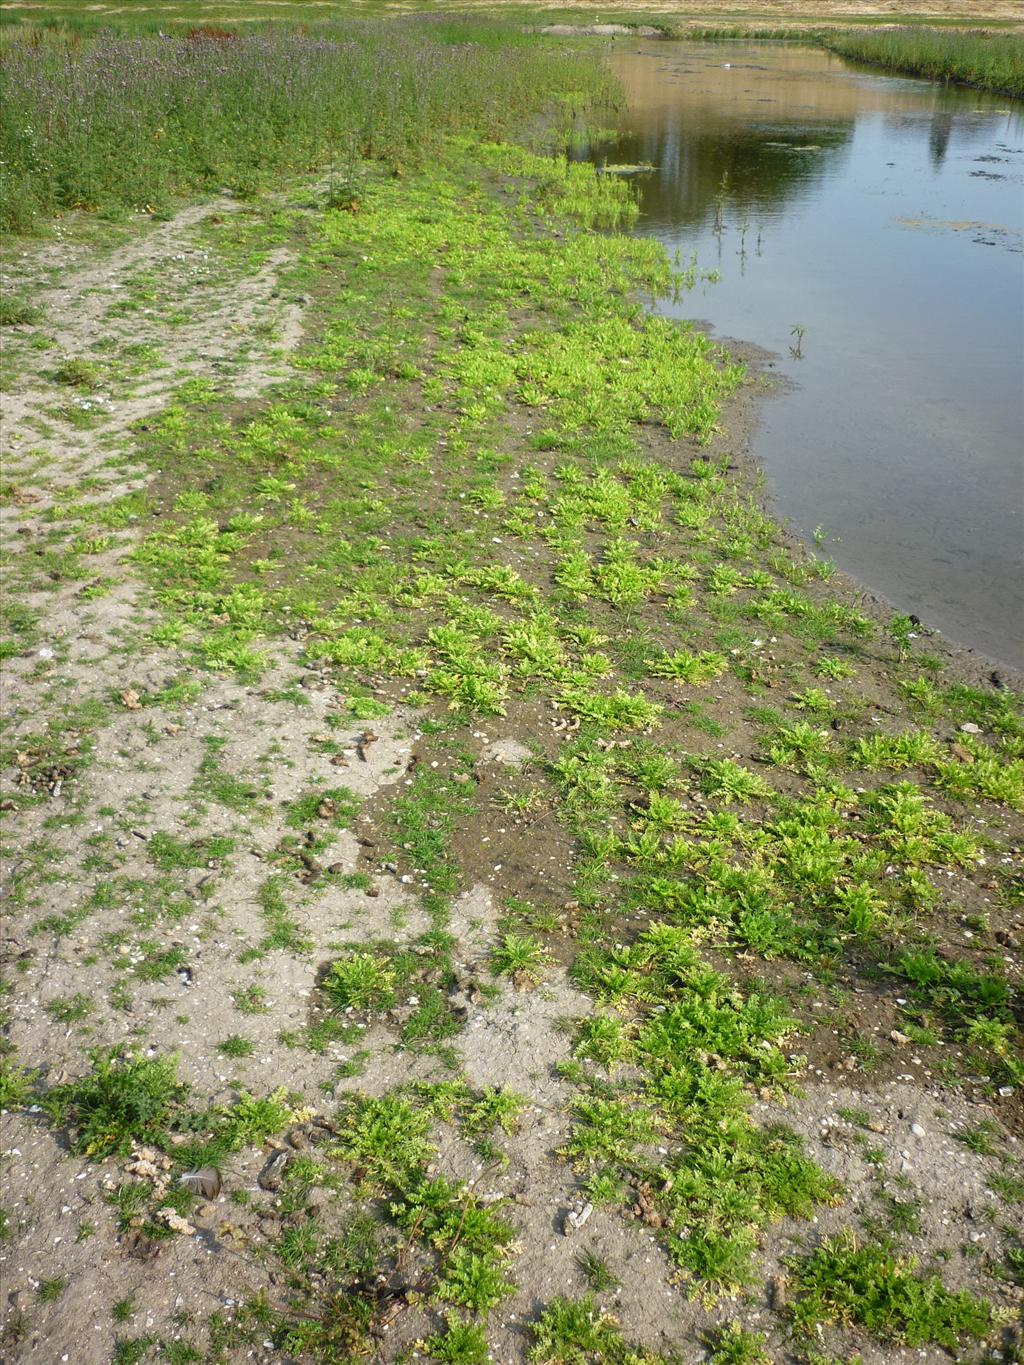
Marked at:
<point>883,216</point>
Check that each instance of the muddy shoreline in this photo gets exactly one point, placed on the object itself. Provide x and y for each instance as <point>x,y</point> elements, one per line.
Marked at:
<point>738,439</point>
<point>752,156</point>
<point>328,877</point>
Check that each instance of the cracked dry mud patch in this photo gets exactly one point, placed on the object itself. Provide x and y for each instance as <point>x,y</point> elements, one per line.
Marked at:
<point>191,858</point>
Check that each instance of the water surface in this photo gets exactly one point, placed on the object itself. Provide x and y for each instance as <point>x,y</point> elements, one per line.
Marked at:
<point>884,216</point>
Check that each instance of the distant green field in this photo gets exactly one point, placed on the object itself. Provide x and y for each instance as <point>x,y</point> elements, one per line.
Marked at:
<point>141,15</point>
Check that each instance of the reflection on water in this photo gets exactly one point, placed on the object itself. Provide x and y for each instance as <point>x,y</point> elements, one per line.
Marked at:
<point>883,216</point>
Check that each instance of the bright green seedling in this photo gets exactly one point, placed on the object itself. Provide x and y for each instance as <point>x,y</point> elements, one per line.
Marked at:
<point>463,1343</point>
<point>362,981</point>
<point>832,668</point>
<point>728,781</point>
<point>475,1282</point>
<point>520,956</point>
<point>689,668</point>
<point>987,775</point>
<point>16,1084</point>
<point>580,1332</point>
<point>604,1040</point>
<point>49,1290</point>
<point>914,749</point>
<point>597,1273</point>
<point>734,1345</point>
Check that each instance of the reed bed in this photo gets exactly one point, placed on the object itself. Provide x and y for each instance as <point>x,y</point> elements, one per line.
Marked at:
<point>121,122</point>
<point>988,61</point>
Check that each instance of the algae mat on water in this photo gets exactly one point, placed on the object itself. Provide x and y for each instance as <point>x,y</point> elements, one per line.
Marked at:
<point>505,824</point>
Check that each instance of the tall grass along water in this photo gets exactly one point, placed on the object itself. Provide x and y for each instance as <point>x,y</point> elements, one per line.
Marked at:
<point>124,122</point>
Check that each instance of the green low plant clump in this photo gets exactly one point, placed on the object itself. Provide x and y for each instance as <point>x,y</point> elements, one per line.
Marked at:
<point>125,1100</point>
<point>122,1100</point>
<point>580,1332</point>
<point>878,1289</point>
<point>989,61</point>
<point>697,1044</point>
